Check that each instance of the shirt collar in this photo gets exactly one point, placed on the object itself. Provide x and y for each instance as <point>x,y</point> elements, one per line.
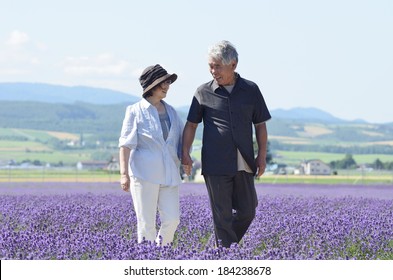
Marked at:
<point>215,85</point>
<point>146,104</point>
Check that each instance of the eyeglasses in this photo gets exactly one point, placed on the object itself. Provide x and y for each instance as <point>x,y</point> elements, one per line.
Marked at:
<point>167,82</point>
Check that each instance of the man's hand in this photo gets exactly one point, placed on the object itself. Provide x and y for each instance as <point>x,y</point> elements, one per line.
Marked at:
<point>188,138</point>
<point>261,165</point>
<point>187,163</point>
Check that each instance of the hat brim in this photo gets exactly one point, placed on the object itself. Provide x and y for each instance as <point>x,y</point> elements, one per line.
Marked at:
<point>172,77</point>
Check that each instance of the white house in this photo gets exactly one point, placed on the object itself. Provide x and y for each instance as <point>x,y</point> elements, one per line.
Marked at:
<point>314,167</point>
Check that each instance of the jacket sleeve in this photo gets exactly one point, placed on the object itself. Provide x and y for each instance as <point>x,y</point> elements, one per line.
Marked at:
<point>129,133</point>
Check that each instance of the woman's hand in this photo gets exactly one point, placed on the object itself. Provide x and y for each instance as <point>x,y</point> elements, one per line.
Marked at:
<point>187,164</point>
<point>125,182</point>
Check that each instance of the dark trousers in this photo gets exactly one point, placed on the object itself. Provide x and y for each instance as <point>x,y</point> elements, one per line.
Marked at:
<point>233,201</point>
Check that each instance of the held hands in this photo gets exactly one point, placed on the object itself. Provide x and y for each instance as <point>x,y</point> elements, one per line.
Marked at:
<point>261,165</point>
<point>125,182</point>
<point>187,164</point>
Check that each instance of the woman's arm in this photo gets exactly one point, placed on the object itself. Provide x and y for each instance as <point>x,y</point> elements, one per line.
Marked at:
<point>124,157</point>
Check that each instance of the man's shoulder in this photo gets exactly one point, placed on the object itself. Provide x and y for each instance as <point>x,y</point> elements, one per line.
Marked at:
<point>247,82</point>
<point>205,86</point>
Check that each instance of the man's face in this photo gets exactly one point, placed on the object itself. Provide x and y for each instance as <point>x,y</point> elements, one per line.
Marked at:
<point>223,74</point>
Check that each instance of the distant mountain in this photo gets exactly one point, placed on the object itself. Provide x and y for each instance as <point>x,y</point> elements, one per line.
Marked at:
<point>298,114</point>
<point>308,114</point>
<point>78,117</point>
<point>38,92</point>
<point>47,93</point>
<point>104,122</point>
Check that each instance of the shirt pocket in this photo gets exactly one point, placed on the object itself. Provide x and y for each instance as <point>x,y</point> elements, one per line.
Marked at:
<point>218,108</point>
<point>146,131</point>
<point>246,111</point>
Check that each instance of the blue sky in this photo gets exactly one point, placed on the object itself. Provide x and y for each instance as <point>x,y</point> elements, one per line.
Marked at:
<point>333,55</point>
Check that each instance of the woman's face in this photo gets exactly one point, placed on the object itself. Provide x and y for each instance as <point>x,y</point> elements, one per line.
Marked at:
<point>161,90</point>
<point>223,74</point>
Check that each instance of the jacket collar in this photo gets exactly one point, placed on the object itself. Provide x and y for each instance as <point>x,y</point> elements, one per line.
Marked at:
<point>146,104</point>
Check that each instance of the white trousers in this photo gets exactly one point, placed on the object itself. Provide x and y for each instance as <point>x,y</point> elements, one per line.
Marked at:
<point>147,198</point>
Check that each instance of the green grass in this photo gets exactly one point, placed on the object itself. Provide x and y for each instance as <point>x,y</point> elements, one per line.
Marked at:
<point>57,175</point>
<point>196,151</point>
<point>384,255</point>
<point>74,175</point>
<point>35,149</point>
<point>31,135</point>
<point>53,157</point>
<point>294,158</point>
<point>13,147</point>
<point>22,145</point>
<point>331,180</point>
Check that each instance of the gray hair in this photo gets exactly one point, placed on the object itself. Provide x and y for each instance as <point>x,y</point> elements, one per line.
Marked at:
<point>223,51</point>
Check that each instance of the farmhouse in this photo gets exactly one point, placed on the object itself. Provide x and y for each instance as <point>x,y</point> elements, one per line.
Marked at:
<point>314,167</point>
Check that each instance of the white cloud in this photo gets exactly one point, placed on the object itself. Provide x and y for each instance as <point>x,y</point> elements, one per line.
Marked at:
<point>104,64</point>
<point>41,46</point>
<point>34,60</point>
<point>18,54</point>
<point>137,72</point>
<point>12,72</point>
<point>17,38</point>
<point>18,57</point>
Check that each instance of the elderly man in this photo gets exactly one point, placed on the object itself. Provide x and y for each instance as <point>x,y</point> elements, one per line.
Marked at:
<point>229,107</point>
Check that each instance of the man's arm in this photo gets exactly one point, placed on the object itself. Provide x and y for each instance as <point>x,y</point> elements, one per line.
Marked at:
<point>261,135</point>
<point>188,138</point>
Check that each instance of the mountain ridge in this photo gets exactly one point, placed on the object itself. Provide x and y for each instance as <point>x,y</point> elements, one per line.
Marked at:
<point>50,93</point>
<point>310,114</point>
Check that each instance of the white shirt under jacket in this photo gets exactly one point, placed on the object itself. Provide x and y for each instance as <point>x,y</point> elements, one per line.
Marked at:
<point>152,158</point>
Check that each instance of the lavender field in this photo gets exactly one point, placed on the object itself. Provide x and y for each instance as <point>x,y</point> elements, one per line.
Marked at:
<point>96,221</point>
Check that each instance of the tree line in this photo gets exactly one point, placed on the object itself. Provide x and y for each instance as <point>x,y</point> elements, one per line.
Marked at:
<point>348,162</point>
<point>354,149</point>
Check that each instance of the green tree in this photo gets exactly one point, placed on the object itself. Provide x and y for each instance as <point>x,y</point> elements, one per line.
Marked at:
<point>269,156</point>
<point>378,164</point>
<point>388,165</point>
<point>348,162</point>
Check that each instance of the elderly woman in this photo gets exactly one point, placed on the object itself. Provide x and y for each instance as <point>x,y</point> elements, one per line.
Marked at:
<point>150,145</point>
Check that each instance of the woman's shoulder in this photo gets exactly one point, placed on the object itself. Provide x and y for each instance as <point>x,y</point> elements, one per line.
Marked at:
<point>133,110</point>
<point>168,106</point>
<point>136,106</point>
<point>171,110</point>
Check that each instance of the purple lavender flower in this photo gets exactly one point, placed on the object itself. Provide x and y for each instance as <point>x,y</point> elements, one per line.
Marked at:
<point>86,221</point>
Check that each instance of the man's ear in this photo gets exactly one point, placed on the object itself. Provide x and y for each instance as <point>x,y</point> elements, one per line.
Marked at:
<point>234,65</point>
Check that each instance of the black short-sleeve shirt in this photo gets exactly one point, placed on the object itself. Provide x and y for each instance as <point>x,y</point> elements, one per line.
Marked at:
<point>228,120</point>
